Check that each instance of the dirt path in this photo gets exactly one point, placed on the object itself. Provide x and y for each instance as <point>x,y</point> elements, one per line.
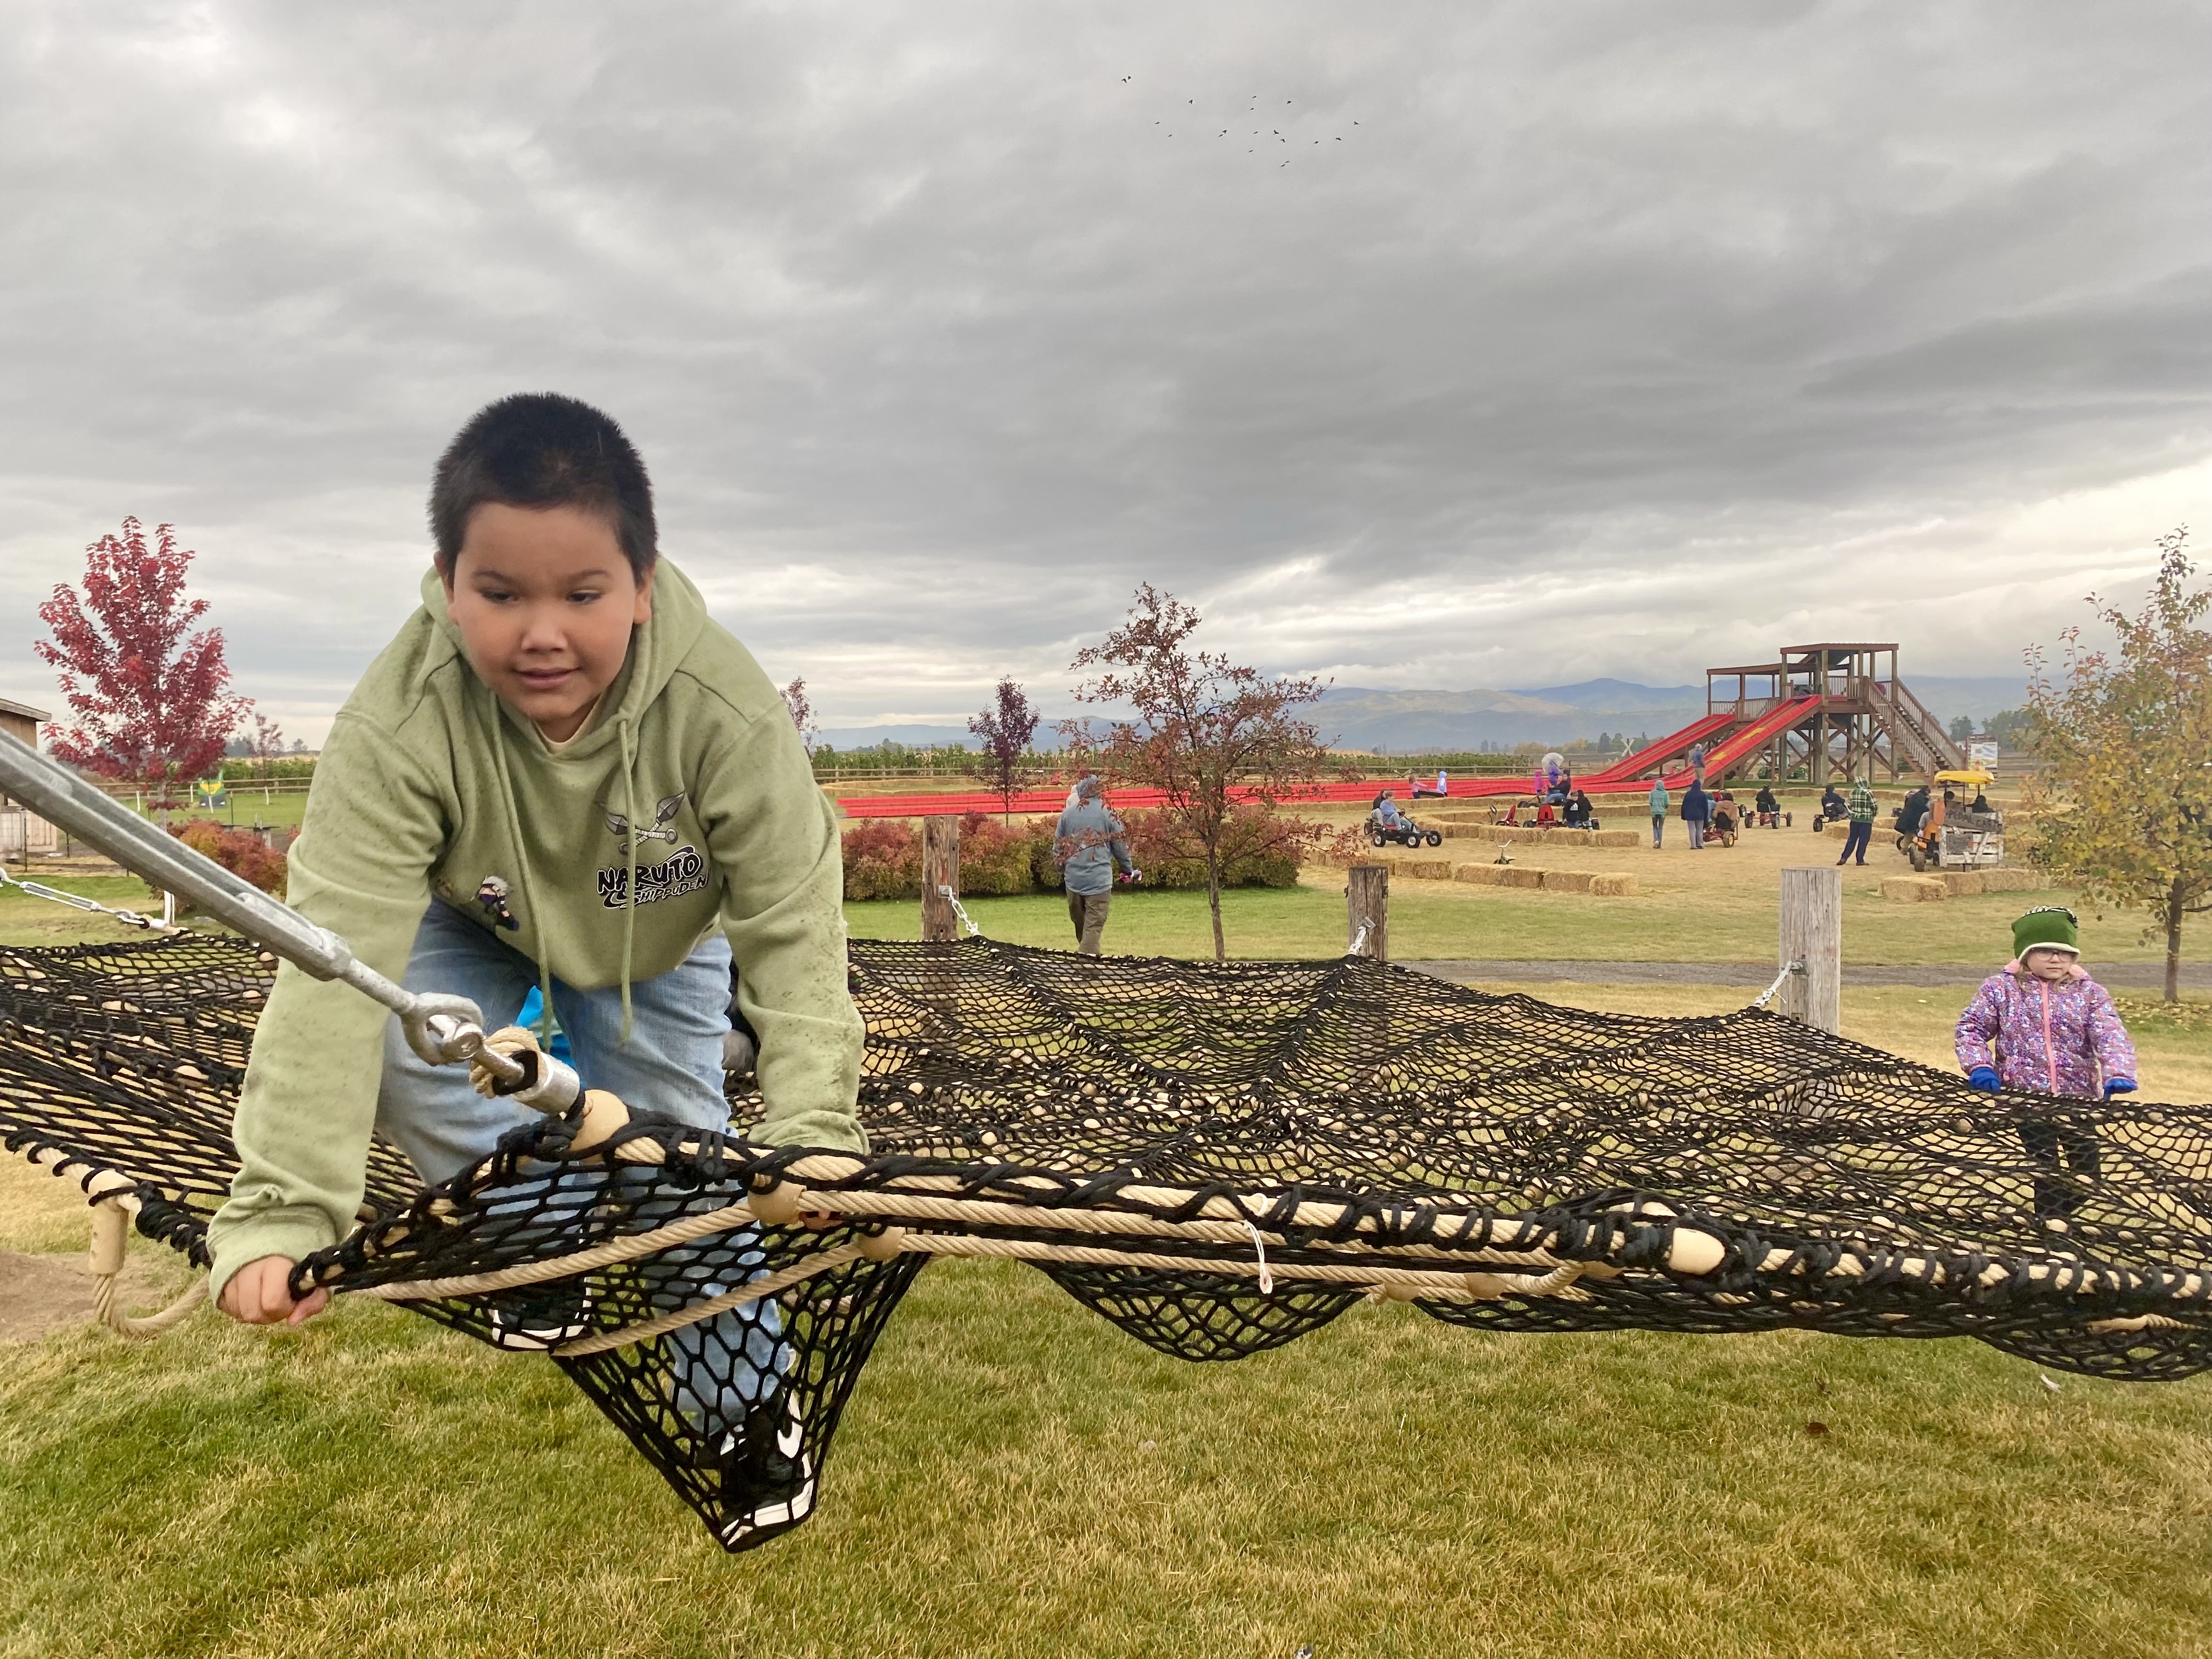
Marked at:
<point>43,1294</point>
<point>2127,975</point>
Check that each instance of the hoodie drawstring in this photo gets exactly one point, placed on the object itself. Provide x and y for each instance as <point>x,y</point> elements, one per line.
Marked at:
<point>522,876</point>
<point>629,887</point>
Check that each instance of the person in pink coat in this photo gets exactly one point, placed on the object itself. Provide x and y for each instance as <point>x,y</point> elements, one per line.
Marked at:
<point>2041,1025</point>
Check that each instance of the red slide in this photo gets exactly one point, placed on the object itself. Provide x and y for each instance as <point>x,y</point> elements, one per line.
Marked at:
<point>1620,777</point>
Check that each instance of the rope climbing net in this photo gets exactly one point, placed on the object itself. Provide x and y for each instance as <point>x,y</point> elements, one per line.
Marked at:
<point>1216,1158</point>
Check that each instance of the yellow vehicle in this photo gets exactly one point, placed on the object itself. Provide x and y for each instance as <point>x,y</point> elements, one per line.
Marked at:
<point>1951,834</point>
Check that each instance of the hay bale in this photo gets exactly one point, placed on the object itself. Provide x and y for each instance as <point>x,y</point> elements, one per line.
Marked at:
<point>1479,875</point>
<point>1612,886</point>
<point>1839,830</point>
<point>1426,869</point>
<point>1566,881</point>
<point>1519,875</point>
<point>1616,837</point>
<point>1913,890</point>
<point>1961,883</point>
<point>2003,879</point>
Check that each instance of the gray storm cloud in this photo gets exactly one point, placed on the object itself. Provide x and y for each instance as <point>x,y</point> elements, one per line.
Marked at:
<point>1426,345</point>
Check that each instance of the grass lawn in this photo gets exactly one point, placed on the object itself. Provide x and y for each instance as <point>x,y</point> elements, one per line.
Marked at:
<point>1725,913</point>
<point>1016,1478</point>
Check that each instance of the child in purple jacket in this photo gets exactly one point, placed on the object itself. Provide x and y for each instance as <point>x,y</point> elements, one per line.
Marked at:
<point>2043,1025</point>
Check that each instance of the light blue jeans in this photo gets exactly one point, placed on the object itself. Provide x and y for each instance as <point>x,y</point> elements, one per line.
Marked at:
<point>672,1067</point>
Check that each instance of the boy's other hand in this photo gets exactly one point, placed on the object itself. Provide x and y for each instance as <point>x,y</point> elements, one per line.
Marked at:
<point>818,1220</point>
<point>260,1293</point>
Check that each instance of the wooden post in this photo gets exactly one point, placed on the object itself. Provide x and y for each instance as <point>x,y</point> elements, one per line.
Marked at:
<point>940,868</point>
<point>1813,933</point>
<point>1367,912</point>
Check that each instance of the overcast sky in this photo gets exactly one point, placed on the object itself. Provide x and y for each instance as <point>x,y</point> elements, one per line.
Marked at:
<point>1437,345</point>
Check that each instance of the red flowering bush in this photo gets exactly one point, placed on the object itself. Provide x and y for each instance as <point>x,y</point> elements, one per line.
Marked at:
<point>241,852</point>
<point>883,859</point>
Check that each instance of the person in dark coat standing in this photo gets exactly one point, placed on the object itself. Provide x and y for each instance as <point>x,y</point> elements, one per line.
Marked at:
<point>1697,812</point>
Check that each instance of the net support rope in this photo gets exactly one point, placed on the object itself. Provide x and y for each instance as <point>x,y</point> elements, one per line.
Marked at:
<point>1216,1157</point>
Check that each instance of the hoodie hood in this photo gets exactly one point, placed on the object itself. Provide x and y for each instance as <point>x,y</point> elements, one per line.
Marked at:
<point>658,647</point>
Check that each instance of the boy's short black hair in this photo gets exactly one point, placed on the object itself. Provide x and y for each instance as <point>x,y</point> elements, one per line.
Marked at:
<point>539,449</point>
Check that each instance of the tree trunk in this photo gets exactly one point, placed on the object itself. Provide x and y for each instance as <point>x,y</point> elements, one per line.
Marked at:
<point>2173,942</point>
<point>1213,899</point>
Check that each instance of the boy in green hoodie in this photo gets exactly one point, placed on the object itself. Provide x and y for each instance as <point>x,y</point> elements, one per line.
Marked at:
<point>560,774</point>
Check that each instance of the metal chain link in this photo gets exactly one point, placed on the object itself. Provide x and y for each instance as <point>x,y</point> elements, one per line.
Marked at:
<point>960,910</point>
<point>1768,995</point>
<point>77,900</point>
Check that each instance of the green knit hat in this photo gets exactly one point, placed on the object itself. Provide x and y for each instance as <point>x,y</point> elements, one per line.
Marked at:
<point>2047,927</point>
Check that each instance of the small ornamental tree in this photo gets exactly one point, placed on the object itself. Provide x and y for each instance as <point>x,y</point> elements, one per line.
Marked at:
<point>147,691</point>
<point>1208,733</point>
<point>265,743</point>
<point>1006,728</point>
<point>802,713</point>
<point>2124,802</point>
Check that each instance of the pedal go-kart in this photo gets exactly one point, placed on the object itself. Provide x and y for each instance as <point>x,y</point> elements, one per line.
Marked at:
<point>1405,832</point>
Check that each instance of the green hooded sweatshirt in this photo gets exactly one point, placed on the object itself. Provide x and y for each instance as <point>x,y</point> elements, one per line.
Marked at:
<point>692,774</point>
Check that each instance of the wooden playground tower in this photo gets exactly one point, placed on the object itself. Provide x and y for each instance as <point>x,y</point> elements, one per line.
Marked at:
<point>1865,718</point>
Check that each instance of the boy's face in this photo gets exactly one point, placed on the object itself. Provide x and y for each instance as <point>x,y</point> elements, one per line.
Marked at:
<point>545,601</point>
<point>2049,965</point>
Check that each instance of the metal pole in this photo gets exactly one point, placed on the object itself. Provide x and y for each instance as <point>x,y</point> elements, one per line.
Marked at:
<point>443,1029</point>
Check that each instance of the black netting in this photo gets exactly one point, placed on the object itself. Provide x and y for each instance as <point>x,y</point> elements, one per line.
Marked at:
<point>1216,1158</point>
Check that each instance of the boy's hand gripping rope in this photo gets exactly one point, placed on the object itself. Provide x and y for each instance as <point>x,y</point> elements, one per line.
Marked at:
<point>444,1030</point>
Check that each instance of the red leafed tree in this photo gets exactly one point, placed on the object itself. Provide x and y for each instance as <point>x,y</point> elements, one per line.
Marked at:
<point>1006,728</point>
<point>146,689</point>
<point>1224,742</point>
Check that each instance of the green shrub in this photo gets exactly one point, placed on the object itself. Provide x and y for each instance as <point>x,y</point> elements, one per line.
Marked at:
<point>995,858</point>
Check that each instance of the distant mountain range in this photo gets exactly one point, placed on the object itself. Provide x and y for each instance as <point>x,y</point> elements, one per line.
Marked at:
<point>1406,722</point>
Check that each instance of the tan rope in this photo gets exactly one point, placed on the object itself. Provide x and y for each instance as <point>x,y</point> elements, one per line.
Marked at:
<point>1432,1287</point>
<point>768,1285</point>
<point>907,1206</point>
<point>111,1238</point>
<point>984,1212</point>
<point>1336,1272</point>
<point>145,1329</point>
<point>564,1266</point>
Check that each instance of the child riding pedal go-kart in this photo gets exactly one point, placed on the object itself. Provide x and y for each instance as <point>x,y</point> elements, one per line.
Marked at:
<point>1386,824</point>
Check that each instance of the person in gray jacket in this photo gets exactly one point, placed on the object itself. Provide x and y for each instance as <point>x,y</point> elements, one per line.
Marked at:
<point>1090,847</point>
